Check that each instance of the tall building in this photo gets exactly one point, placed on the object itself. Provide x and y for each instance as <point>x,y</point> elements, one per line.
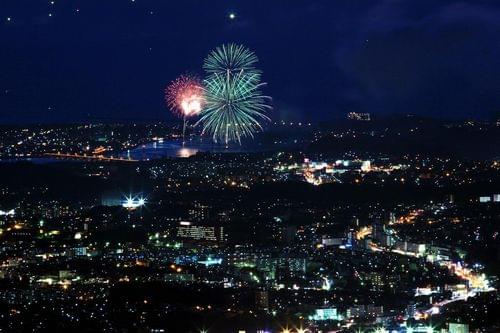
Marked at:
<point>411,309</point>
<point>381,235</point>
<point>190,231</point>
<point>392,218</point>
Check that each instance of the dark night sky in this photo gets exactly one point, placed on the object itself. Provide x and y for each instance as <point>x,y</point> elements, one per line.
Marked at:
<point>321,59</point>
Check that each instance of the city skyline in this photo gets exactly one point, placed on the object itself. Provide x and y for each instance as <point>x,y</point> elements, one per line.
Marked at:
<point>251,166</point>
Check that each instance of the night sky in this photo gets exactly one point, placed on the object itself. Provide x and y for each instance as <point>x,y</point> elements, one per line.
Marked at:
<point>85,60</point>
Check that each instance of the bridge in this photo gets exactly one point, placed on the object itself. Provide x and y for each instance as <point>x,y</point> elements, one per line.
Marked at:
<point>97,158</point>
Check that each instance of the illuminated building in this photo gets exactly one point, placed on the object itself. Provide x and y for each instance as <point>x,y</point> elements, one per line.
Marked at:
<point>392,218</point>
<point>359,116</point>
<point>66,275</point>
<point>382,235</point>
<point>437,253</point>
<point>80,251</point>
<point>245,259</point>
<point>325,314</point>
<point>411,309</point>
<point>458,328</point>
<point>410,248</point>
<point>366,166</point>
<point>190,231</point>
<point>485,199</point>
<point>293,265</point>
<point>318,173</point>
<point>330,241</point>
<point>267,267</point>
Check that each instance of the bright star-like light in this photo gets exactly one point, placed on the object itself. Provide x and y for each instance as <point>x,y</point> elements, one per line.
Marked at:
<point>133,202</point>
<point>7,213</point>
<point>232,16</point>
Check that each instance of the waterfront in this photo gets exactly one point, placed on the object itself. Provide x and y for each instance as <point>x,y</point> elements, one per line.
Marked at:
<point>175,148</point>
<point>148,151</point>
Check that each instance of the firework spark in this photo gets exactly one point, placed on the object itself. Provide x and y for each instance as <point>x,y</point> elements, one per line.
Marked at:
<point>184,96</point>
<point>235,106</point>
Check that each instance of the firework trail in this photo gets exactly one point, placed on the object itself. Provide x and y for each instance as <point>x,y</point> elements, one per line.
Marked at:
<point>185,98</point>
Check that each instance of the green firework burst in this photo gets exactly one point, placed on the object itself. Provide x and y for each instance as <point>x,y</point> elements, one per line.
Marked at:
<point>235,106</point>
<point>231,59</point>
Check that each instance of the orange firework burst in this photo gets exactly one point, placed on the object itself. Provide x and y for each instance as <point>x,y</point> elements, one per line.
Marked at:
<point>184,96</point>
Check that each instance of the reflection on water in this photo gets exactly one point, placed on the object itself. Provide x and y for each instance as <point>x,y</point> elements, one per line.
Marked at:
<point>175,148</point>
<point>155,150</point>
<point>187,152</point>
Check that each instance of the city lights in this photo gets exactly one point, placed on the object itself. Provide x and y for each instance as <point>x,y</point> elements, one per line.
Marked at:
<point>7,213</point>
<point>250,166</point>
<point>133,202</point>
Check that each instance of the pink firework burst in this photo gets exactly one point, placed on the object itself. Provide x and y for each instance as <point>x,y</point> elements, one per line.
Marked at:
<point>184,96</point>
